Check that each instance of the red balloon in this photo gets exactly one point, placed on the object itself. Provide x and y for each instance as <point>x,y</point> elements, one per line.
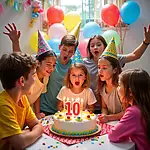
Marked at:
<point>110,14</point>
<point>55,15</point>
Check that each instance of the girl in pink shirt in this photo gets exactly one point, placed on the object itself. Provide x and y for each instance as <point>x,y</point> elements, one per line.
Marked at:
<point>134,92</point>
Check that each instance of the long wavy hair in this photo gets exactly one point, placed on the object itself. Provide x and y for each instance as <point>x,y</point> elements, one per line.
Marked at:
<point>137,82</point>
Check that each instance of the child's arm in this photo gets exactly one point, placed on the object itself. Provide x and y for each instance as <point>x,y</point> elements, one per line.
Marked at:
<point>37,109</point>
<point>14,36</point>
<point>21,141</point>
<point>60,105</point>
<point>91,108</point>
<point>105,118</point>
<point>138,52</point>
<point>104,107</point>
<point>126,127</point>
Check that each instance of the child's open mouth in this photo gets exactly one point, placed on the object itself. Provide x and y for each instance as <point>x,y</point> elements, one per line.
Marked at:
<point>96,52</point>
<point>65,57</point>
<point>77,83</point>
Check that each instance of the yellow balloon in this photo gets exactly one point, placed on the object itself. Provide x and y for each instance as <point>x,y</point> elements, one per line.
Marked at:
<point>34,40</point>
<point>71,19</point>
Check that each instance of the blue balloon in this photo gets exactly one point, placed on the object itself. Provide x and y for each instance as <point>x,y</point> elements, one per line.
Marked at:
<point>90,29</point>
<point>130,12</point>
<point>54,44</point>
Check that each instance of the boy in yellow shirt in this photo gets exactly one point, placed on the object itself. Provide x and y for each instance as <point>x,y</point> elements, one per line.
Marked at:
<point>17,71</point>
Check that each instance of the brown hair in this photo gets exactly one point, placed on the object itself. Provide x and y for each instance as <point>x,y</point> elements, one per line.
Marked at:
<point>86,83</point>
<point>13,66</point>
<point>69,40</point>
<point>99,37</point>
<point>137,82</point>
<point>115,64</point>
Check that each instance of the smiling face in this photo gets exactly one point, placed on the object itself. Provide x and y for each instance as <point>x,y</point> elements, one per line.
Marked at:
<point>96,47</point>
<point>66,52</point>
<point>105,70</point>
<point>47,66</point>
<point>77,77</point>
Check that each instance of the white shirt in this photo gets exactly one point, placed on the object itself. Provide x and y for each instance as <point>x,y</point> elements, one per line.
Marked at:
<point>87,95</point>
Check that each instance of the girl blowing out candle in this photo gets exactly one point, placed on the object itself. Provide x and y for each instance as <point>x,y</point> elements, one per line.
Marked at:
<point>77,87</point>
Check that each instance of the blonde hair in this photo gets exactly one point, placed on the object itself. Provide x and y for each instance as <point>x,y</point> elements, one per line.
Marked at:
<point>86,83</point>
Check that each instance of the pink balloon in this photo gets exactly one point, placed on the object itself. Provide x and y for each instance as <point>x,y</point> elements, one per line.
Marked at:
<point>83,47</point>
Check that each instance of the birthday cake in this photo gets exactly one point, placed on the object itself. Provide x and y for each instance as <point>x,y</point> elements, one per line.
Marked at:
<point>70,125</point>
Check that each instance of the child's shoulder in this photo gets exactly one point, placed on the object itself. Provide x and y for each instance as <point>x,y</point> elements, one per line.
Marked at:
<point>133,110</point>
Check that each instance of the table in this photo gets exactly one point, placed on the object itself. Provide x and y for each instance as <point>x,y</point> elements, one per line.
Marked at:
<point>103,143</point>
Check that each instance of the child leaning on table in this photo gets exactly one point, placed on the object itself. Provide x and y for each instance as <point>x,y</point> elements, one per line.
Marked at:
<point>77,84</point>
<point>17,75</point>
<point>134,91</point>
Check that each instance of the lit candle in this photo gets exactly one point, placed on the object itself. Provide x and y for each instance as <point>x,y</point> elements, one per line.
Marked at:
<point>81,104</point>
<point>64,102</point>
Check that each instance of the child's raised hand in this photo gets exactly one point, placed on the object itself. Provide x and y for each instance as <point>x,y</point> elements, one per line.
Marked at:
<point>147,35</point>
<point>13,33</point>
<point>103,118</point>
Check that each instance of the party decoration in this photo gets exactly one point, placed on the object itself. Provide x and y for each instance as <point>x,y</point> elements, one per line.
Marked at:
<point>43,46</point>
<point>55,15</point>
<point>54,44</point>
<point>111,33</point>
<point>76,31</point>
<point>34,40</point>
<point>83,47</point>
<point>71,19</point>
<point>130,12</point>
<point>110,14</point>
<point>36,10</point>
<point>77,57</point>
<point>57,30</point>
<point>90,29</point>
<point>26,4</point>
<point>1,9</point>
<point>110,50</point>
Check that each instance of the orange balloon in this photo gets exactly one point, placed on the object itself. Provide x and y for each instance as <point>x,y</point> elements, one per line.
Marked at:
<point>55,15</point>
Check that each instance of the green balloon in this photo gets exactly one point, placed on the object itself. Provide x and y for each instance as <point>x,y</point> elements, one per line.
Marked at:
<point>109,34</point>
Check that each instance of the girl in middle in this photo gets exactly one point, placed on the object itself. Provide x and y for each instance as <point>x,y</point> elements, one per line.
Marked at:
<point>76,87</point>
<point>108,72</point>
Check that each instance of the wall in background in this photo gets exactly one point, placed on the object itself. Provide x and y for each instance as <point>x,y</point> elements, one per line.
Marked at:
<point>134,35</point>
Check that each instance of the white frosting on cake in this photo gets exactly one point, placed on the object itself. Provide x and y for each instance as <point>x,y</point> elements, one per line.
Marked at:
<point>83,123</point>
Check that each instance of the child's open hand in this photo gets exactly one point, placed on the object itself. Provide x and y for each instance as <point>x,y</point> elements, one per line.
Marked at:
<point>147,35</point>
<point>40,115</point>
<point>103,118</point>
<point>13,33</point>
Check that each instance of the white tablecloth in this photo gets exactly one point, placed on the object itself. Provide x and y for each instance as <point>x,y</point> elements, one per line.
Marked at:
<point>102,143</point>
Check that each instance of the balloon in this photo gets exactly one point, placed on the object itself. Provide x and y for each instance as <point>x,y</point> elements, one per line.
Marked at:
<point>54,44</point>
<point>57,30</point>
<point>110,14</point>
<point>55,15</point>
<point>71,19</point>
<point>83,47</point>
<point>130,12</point>
<point>109,34</point>
<point>34,40</point>
<point>90,29</point>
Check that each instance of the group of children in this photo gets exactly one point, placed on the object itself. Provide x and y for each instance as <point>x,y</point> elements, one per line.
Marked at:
<point>95,81</point>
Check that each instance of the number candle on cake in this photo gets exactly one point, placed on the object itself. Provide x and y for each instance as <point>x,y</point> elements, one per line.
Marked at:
<point>74,106</point>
